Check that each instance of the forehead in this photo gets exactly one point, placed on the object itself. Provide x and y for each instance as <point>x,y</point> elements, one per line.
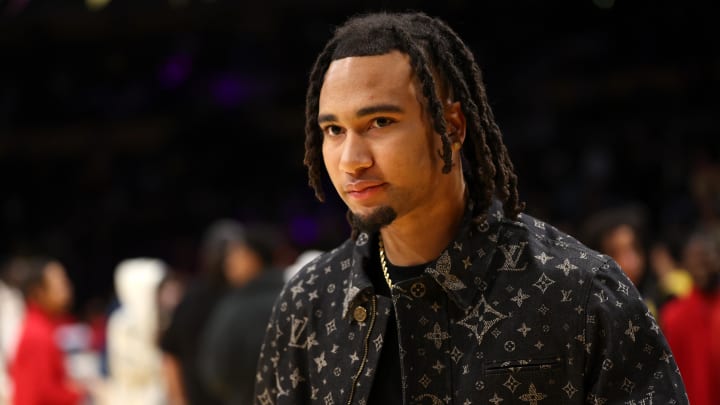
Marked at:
<point>55,272</point>
<point>358,80</point>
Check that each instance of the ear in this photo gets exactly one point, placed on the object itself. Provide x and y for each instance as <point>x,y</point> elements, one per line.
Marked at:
<point>455,119</point>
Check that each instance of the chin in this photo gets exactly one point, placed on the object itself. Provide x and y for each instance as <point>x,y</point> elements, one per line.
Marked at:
<point>373,221</point>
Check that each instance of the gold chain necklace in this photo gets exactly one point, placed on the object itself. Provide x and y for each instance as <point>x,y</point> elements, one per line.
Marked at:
<point>383,263</point>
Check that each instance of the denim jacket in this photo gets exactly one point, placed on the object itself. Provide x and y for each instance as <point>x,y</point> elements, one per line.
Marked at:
<point>512,312</point>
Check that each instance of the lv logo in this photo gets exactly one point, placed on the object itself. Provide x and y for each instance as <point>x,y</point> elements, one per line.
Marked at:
<point>512,255</point>
<point>296,331</point>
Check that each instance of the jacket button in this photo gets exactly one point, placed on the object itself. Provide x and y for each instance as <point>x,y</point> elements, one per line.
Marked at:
<point>360,314</point>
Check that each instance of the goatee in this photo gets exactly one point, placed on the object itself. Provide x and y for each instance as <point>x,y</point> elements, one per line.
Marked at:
<point>373,222</point>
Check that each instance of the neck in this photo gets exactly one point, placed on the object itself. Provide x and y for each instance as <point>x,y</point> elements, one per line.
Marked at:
<point>421,237</point>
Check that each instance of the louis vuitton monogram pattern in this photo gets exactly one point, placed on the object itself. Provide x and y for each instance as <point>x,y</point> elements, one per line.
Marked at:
<point>513,312</point>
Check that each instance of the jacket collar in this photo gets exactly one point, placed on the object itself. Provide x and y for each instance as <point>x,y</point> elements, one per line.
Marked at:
<point>460,270</point>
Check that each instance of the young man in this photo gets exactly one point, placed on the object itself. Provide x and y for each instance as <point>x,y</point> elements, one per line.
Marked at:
<point>445,292</point>
<point>38,367</point>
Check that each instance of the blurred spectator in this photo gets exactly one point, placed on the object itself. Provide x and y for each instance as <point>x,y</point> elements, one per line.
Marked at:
<point>619,232</point>
<point>134,359</point>
<point>666,262</point>
<point>691,323</point>
<point>714,355</point>
<point>170,292</point>
<point>223,257</point>
<point>231,341</point>
<point>12,311</point>
<point>38,368</point>
<point>705,190</point>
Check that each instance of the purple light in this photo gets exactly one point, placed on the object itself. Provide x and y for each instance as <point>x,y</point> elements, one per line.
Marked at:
<point>229,90</point>
<point>304,230</point>
<point>14,7</point>
<point>175,71</point>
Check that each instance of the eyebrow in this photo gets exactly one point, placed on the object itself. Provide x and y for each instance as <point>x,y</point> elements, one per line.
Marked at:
<point>365,111</point>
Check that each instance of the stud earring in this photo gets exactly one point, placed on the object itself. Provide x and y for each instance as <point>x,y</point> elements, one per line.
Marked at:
<point>456,146</point>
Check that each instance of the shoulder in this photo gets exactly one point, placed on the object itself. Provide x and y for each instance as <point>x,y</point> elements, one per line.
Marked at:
<point>318,284</point>
<point>555,251</point>
<point>250,299</point>
<point>199,298</point>
<point>323,267</point>
<point>37,333</point>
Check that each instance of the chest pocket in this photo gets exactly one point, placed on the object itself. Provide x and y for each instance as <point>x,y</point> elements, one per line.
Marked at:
<point>527,381</point>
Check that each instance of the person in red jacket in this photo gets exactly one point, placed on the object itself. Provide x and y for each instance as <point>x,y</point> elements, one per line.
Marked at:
<point>38,369</point>
<point>692,324</point>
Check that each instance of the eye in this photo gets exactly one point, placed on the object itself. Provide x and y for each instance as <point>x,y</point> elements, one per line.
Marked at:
<point>332,130</point>
<point>381,122</point>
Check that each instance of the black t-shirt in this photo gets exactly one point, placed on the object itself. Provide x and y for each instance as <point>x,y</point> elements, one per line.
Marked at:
<point>182,338</point>
<point>234,332</point>
<point>387,384</point>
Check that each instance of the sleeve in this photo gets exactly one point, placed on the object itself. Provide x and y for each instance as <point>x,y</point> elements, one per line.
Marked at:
<point>629,360</point>
<point>39,375</point>
<point>275,356</point>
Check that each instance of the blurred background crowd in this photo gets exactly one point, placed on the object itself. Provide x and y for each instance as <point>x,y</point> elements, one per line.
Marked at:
<point>153,198</point>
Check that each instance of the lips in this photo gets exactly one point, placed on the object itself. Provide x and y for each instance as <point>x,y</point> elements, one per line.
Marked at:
<point>362,186</point>
<point>361,190</point>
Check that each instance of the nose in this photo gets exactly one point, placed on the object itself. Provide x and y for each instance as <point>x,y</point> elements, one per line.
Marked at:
<point>356,154</point>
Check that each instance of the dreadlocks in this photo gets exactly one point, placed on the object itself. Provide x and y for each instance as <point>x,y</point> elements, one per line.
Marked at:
<point>433,47</point>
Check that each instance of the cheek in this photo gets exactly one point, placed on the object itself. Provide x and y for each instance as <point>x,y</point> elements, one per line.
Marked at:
<point>414,157</point>
<point>327,156</point>
<point>331,158</point>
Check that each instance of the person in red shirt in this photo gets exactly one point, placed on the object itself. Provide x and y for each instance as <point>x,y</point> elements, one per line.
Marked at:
<point>38,369</point>
<point>692,324</point>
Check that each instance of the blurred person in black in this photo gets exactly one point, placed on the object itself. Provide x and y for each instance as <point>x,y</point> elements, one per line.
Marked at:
<point>231,341</point>
<point>222,266</point>
<point>444,291</point>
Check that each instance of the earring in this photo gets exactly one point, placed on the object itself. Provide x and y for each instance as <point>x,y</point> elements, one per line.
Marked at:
<point>456,146</point>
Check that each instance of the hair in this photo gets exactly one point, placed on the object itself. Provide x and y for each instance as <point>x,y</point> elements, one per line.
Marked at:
<point>29,273</point>
<point>436,53</point>
<point>598,225</point>
<point>219,237</point>
<point>264,239</point>
<point>709,239</point>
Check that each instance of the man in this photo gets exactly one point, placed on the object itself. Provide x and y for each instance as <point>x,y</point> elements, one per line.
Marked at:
<point>224,262</point>
<point>445,292</point>
<point>230,341</point>
<point>38,367</point>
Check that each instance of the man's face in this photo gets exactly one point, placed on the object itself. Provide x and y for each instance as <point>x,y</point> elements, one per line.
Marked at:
<point>56,293</point>
<point>622,245</point>
<point>701,263</point>
<point>378,148</point>
<point>241,265</point>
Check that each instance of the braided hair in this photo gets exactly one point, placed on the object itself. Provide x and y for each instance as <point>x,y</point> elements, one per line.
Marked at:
<point>433,47</point>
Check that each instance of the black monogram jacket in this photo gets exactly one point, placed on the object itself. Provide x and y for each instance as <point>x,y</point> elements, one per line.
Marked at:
<point>512,312</point>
